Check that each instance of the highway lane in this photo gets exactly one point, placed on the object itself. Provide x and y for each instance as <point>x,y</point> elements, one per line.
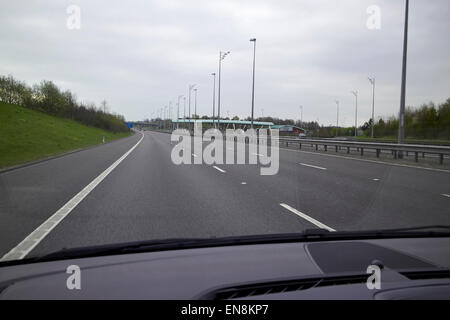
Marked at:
<point>355,195</point>
<point>148,197</point>
<point>29,195</point>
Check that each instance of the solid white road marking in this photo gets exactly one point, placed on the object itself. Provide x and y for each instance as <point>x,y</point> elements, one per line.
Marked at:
<point>243,182</point>
<point>310,165</point>
<point>34,238</point>
<point>306,217</point>
<point>446,195</point>
<point>375,179</point>
<point>217,168</point>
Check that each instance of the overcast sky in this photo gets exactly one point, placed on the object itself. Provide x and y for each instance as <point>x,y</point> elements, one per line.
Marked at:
<point>139,55</point>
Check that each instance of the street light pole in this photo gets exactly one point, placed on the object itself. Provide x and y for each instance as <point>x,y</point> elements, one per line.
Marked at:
<point>401,126</point>
<point>337,118</point>
<point>178,111</point>
<point>301,115</point>
<point>222,56</point>
<point>165,117</point>
<point>170,114</point>
<point>160,118</point>
<point>214,98</point>
<point>372,81</point>
<point>195,103</point>
<point>191,86</point>
<point>355,93</point>
<point>184,117</point>
<point>253,85</point>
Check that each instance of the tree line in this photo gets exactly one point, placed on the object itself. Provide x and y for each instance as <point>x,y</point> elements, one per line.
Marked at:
<point>48,98</point>
<point>429,121</point>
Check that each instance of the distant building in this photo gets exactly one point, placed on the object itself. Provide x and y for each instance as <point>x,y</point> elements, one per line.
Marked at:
<point>224,124</point>
<point>288,129</point>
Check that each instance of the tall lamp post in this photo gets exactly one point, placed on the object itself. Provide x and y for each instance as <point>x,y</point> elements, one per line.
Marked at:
<point>253,84</point>
<point>337,117</point>
<point>214,98</point>
<point>184,112</point>
<point>301,115</point>
<point>222,56</point>
<point>372,81</point>
<point>195,103</point>
<point>165,117</point>
<point>355,93</point>
<point>191,86</point>
<point>169,116</point>
<point>401,126</point>
<point>178,110</point>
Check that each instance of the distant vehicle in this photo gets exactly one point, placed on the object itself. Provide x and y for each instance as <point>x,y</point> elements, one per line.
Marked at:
<point>302,135</point>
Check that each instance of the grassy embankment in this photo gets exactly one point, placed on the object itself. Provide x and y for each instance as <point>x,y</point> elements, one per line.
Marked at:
<point>27,135</point>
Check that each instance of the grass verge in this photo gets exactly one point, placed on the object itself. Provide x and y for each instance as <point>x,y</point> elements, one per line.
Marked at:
<point>27,135</point>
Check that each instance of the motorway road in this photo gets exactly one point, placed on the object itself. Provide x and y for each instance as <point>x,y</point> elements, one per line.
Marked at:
<point>146,197</point>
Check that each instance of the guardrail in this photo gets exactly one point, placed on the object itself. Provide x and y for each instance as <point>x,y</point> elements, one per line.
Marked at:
<point>396,149</point>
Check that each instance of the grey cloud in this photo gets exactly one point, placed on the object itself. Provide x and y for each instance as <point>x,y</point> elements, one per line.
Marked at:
<point>141,54</point>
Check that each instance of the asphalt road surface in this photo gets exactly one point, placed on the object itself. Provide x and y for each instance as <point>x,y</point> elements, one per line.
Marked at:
<point>145,196</point>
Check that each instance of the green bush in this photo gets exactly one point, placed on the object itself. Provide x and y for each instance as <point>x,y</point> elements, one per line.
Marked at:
<point>425,122</point>
<point>47,97</point>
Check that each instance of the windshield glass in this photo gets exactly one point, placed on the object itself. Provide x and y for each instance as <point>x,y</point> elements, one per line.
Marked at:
<point>155,120</point>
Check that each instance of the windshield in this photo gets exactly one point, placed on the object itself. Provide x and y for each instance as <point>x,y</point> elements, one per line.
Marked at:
<point>158,120</point>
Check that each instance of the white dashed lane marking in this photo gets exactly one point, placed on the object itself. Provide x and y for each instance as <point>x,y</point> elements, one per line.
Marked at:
<point>218,169</point>
<point>311,166</point>
<point>306,217</point>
